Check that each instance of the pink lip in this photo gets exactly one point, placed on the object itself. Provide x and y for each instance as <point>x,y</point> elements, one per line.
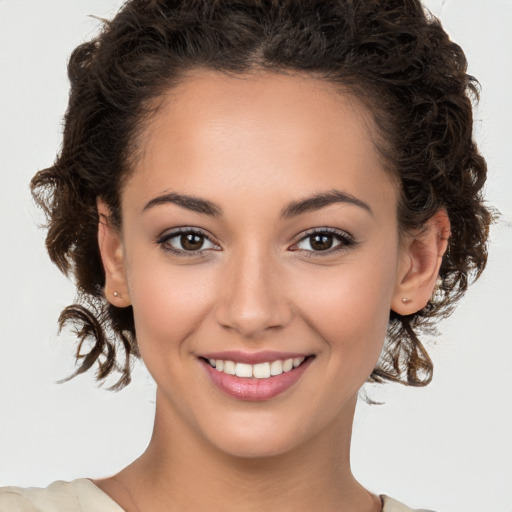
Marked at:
<point>252,358</point>
<point>252,389</point>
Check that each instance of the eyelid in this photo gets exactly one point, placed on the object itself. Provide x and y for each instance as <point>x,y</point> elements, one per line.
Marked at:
<point>345,238</point>
<point>346,241</point>
<point>168,235</point>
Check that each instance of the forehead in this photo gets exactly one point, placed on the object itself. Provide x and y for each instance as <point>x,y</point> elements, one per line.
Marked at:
<point>222,135</point>
<point>259,104</point>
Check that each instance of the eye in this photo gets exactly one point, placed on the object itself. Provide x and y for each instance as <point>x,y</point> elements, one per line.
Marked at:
<point>185,242</point>
<point>317,242</point>
<point>320,242</point>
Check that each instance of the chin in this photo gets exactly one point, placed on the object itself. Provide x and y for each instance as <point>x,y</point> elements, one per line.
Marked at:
<point>255,448</point>
<point>258,439</point>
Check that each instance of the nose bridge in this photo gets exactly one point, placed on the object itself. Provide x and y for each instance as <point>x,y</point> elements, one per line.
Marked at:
<point>252,297</point>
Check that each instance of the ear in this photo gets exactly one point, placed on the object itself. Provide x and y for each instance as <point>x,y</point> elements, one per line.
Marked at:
<point>112,256</point>
<point>422,254</point>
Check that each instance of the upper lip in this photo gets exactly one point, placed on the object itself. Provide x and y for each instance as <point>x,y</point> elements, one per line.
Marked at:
<point>264,356</point>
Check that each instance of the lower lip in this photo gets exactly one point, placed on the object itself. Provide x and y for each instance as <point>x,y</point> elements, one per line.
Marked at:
<point>252,389</point>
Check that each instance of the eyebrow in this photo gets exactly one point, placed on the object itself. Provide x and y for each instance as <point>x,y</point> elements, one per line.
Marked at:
<point>293,209</point>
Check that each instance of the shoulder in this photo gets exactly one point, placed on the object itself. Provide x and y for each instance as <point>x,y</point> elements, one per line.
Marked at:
<point>391,505</point>
<point>79,495</point>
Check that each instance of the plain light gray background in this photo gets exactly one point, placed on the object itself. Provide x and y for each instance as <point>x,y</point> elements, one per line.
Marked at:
<point>446,447</point>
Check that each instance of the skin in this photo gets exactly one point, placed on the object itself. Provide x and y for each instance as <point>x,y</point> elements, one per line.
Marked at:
<point>251,145</point>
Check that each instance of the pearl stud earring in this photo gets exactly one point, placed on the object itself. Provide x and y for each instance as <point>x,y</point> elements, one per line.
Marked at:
<point>116,294</point>
<point>406,300</point>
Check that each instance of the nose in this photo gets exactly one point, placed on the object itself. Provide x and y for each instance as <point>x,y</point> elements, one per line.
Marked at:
<point>252,296</point>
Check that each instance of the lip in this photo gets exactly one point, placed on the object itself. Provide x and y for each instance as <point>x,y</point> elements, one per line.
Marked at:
<point>251,389</point>
<point>252,358</point>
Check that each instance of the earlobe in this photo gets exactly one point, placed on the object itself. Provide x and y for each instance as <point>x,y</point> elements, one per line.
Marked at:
<point>112,255</point>
<point>421,261</point>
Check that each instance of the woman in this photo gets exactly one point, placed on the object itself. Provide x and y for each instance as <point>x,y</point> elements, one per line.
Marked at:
<point>267,202</point>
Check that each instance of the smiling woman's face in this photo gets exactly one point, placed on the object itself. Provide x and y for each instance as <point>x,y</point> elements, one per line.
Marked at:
<point>239,272</point>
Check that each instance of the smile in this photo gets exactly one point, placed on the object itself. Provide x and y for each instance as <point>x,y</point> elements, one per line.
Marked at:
<point>255,377</point>
<point>263,370</point>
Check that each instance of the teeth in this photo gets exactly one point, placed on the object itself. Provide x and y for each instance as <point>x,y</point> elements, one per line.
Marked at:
<point>257,371</point>
<point>229,368</point>
<point>276,368</point>
<point>287,365</point>
<point>297,361</point>
<point>261,371</point>
<point>243,370</point>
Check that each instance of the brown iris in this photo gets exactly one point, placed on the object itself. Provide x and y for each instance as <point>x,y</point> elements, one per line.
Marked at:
<point>191,241</point>
<point>321,242</point>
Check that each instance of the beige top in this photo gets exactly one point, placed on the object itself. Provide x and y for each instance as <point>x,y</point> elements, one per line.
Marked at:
<point>82,495</point>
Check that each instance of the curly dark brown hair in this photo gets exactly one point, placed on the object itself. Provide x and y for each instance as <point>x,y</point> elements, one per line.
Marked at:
<point>393,55</point>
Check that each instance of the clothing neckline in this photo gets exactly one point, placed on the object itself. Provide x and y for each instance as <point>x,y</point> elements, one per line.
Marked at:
<point>384,499</point>
<point>99,492</point>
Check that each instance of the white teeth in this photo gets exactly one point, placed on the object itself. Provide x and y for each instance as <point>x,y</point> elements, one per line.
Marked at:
<point>287,365</point>
<point>243,370</point>
<point>229,367</point>
<point>258,371</point>
<point>297,361</point>
<point>261,370</point>
<point>276,368</point>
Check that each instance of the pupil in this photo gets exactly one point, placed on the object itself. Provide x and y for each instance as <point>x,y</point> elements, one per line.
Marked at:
<point>322,242</point>
<point>191,241</point>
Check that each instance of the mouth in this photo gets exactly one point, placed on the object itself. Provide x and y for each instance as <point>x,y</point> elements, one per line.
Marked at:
<point>258,381</point>
<point>263,370</point>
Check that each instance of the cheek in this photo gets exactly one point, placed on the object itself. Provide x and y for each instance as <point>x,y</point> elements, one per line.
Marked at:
<point>167,301</point>
<point>348,308</point>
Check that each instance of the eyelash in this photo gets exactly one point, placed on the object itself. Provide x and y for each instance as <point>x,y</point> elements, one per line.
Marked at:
<point>346,240</point>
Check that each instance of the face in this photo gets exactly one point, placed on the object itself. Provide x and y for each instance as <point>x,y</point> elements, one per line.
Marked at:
<point>248,270</point>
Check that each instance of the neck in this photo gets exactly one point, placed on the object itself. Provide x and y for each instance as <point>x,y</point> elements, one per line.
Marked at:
<point>192,475</point>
